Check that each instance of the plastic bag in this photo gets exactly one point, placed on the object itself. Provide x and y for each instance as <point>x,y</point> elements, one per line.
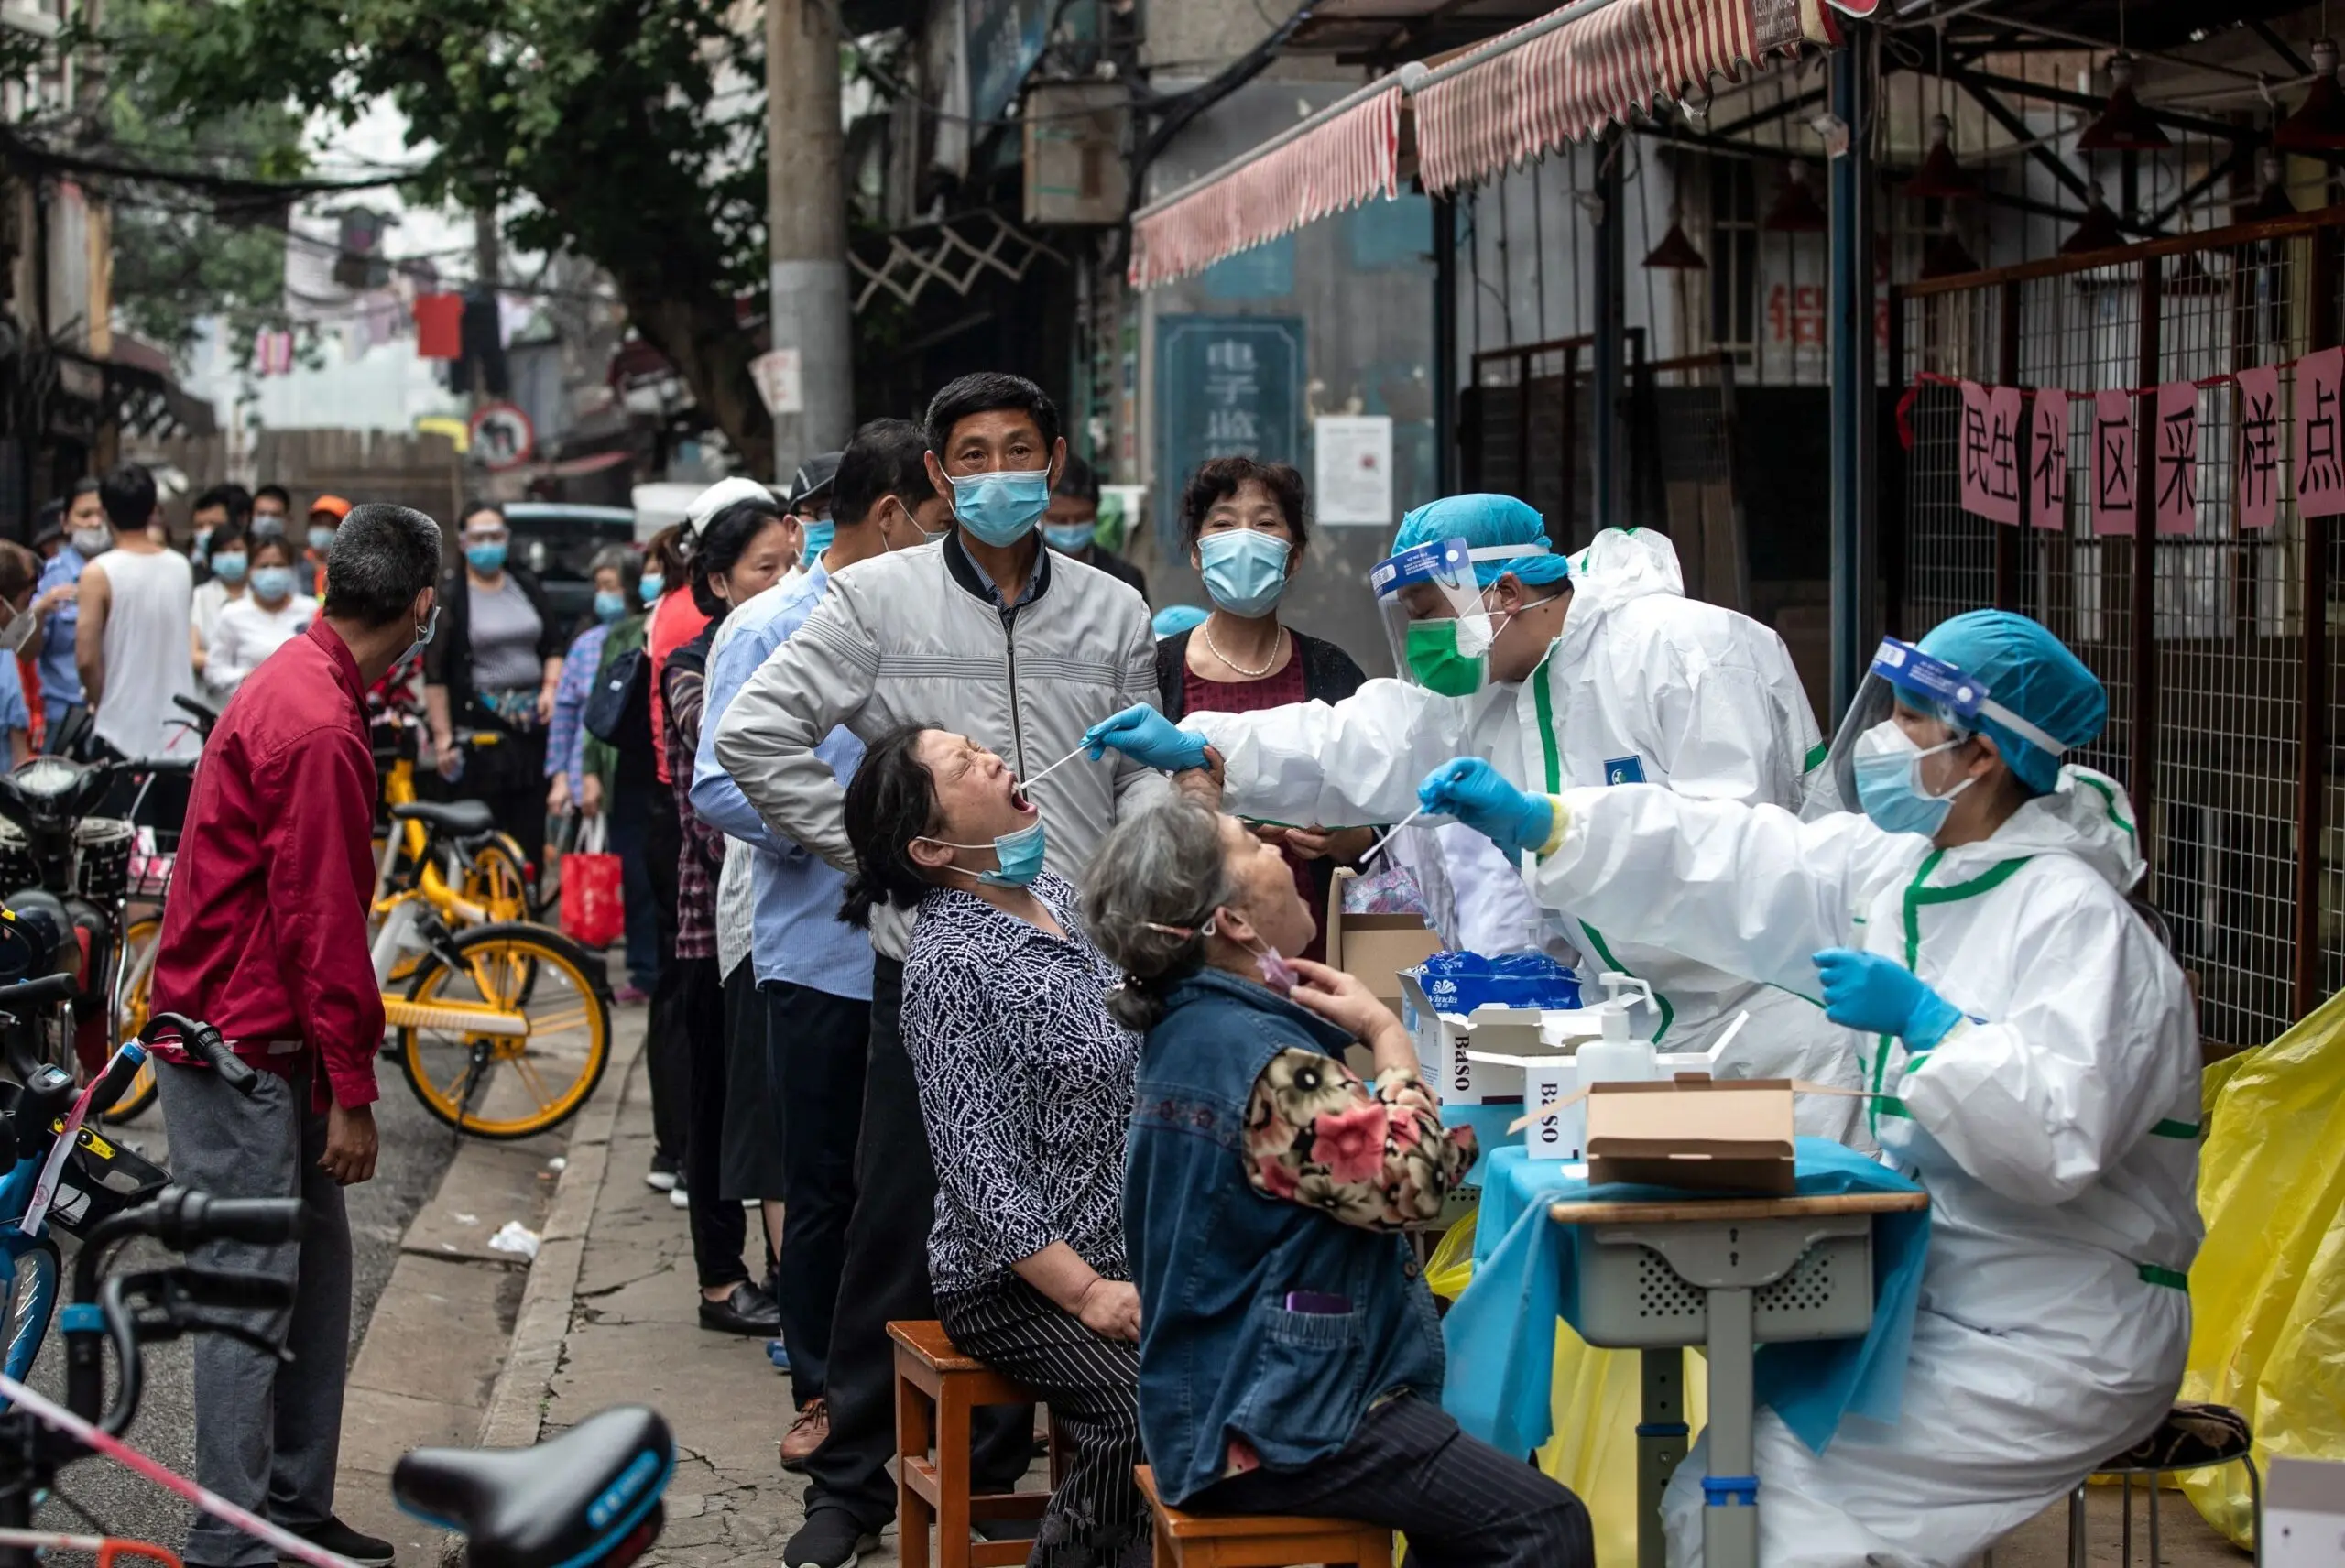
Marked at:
<point>1460,982</point>
<point>1451,1268</point>
<point>591,911</point>
<point>2267,1291</point>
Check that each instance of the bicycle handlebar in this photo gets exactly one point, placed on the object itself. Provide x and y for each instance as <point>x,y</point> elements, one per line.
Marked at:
<point>37,991</point>
<point>203,1041</point>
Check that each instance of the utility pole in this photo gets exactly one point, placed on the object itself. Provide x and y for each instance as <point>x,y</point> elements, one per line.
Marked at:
<point>806,226</point>
<point>488,261</point>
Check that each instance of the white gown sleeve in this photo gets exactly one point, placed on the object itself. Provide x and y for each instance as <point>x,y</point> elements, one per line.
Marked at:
<point>2038,1103</point>
<point>1749,889</point>
<point>1335,765</point>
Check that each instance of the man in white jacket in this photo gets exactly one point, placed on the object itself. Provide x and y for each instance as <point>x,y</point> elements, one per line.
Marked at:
<point>989,634</point>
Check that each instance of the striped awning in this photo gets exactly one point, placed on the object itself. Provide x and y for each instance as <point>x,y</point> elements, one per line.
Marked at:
<point>1346,154</point>
<point>1567,76</point>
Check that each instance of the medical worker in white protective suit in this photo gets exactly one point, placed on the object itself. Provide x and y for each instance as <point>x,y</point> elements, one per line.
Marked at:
<point>1619,679</point>
<point>2034,1043</point>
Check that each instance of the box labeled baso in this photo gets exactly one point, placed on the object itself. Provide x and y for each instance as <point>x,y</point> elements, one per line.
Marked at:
<point>1693,1132</point>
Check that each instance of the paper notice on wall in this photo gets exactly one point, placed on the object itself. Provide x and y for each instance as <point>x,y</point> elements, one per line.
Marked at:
<point>1354,461</point>
<point>2047,458</point>
<point>779,386</point>
<point>2263,441</point>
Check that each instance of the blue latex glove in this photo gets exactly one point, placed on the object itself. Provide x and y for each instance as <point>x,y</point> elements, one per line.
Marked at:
<point>1147,737</point>
<point>1880,996</point>
<point>1479,796</point>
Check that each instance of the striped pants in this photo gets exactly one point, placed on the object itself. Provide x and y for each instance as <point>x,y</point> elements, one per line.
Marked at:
<point>1095,1519</point>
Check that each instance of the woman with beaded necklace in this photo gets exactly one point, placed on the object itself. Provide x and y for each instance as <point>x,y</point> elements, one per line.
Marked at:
<point>1245,525</point>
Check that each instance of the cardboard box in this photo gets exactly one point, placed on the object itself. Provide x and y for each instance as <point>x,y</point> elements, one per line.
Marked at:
<point>1705,1134</point>
<point>1374,949</point>
<point>2303,1514</point>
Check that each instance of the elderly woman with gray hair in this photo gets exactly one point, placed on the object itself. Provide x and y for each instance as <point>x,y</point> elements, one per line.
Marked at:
<point>1290,1357</point>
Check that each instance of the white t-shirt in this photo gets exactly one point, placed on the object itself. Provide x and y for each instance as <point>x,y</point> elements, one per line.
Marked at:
<point>152,606</point>
<point>211,596</point>
<point>246,633</point>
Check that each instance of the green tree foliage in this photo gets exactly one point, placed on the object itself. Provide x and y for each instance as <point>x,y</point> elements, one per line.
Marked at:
<point>628,132</point>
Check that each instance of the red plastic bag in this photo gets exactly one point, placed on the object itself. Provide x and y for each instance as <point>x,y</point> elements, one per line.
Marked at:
<point>591,910</point>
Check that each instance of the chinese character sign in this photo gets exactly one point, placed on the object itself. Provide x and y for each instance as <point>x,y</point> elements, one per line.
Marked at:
<point>2320,453</point>
<point>2112,462</point>
<point>2047,458</point>
<point>2257,481</point>
<point>2178,458</point>
<point>1990,464</point>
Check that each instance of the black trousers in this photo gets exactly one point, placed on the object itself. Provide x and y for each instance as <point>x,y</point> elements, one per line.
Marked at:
<point>668,1054</point>
<point>885,1279</point>
<point>1096,1518</point>
<point>1462,1503</point>
<point>816,1047</point>
<point>718,1228</point>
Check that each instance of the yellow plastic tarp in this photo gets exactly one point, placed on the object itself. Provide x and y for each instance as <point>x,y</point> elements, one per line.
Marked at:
<point>2267,1293</point>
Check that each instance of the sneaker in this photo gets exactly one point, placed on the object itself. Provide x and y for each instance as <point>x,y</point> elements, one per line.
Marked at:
<point>829,1538</point>
<point>661,1176</point>
<point>779,1353</point>
<point>631,995</point>
<point>344,1542</point>
<point>678,1198</point>
<point>805,1434</point>
<point>747,1310</point>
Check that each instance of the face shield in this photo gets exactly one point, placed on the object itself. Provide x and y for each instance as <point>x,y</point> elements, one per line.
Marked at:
<point>1436,617</point>
<point>17,629</point>
<point>1901,674</point>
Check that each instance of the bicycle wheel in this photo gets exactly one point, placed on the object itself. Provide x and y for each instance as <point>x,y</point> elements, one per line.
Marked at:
<point>511,1042</point>
<point>137,1004</point>
<point>32,1297</point>
<point>498,880</point>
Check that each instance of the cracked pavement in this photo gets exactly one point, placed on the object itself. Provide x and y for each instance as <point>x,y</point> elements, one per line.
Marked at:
<point>635,1336</point>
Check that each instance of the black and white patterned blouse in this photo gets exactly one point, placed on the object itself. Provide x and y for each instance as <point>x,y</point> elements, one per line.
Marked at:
<point>1025,1085</point>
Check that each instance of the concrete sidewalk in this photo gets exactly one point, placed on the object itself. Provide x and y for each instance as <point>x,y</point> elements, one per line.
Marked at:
<point>609,1318</point>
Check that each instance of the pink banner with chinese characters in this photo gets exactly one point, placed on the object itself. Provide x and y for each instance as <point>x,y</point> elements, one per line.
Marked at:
<point>2319,453</point>
<point>1991,471</point>
<point>2047,458</point>
<point>2261,452</point>
<point>2113,471</point>
<point>2175,458</point>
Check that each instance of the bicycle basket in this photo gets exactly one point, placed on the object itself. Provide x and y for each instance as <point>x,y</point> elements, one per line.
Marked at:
<point>101,1178</point>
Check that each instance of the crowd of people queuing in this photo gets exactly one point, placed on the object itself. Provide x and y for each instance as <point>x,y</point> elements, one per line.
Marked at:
<point>979,919</point>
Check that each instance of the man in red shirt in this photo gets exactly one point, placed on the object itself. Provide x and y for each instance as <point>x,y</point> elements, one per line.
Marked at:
<point>265,937</point>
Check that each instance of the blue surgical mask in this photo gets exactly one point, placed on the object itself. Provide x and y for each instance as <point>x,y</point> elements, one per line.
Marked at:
<point>485,558</point>
<point>230,568</point>
<point>819,534</point>
<point>649,586</point>
<point>267,525</point>
<point>1017,856</point>
<point>1245,570</point>
<point>1002,508</point>
<point>321,539</point>
<point>272,581</point>
<point>1072,538</point>
<point>609,604</point>
<point>1889,782</point>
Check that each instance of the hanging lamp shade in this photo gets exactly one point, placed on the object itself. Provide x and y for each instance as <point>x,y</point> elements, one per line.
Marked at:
<point>1940,177</point>
<point>1946,256</point>
<point>2318,124</point>
<point>1795,209</point>
<point>2124,126</point>
<point>1676,253</point>
<point>2272,197</point>
<point>2098,230</point>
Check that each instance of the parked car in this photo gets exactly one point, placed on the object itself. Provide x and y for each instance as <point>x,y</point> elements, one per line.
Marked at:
<point>556,540</point>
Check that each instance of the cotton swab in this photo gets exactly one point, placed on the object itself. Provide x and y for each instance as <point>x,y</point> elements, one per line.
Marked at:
<point>1053,768</point>
<point>1378,847</point>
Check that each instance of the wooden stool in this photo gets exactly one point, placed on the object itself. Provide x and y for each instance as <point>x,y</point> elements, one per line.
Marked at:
<point>937,1387</point>
<point>1259,1541</point>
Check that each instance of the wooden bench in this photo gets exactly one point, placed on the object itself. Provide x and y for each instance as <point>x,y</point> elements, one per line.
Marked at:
<point>937,1389</point>
<point>1259,1541</point>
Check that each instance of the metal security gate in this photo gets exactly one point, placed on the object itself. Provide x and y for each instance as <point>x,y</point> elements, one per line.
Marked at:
<point>2222,690</point>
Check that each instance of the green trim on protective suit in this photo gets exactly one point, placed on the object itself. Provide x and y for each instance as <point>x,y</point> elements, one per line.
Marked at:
<point>2169,1127</point>
<point>2109,795</point>
<point>1916,895</point>
<point>1543,703</point>
<point>2158,1274</point>
<point>1815,755</point>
